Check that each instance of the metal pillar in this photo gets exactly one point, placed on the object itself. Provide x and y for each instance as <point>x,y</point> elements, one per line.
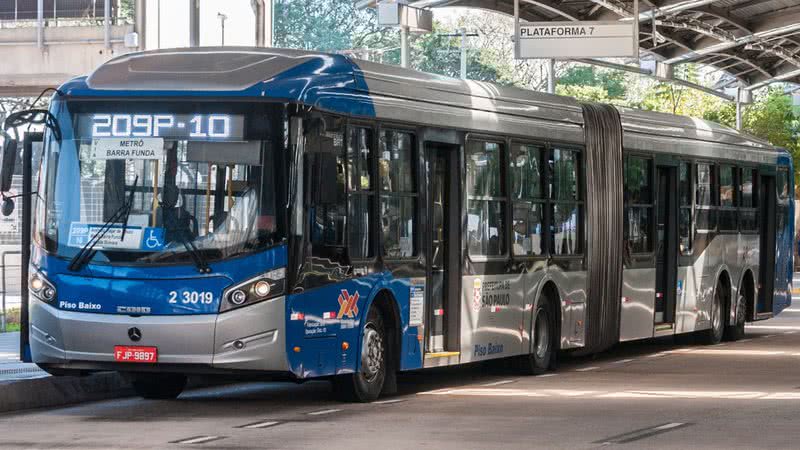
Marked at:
<point>194,23</point>
<point>404,47</point>
<point>40,23</point>
<point>141,22</point>
<point>463,54</point>
<point>263,12</point>
<point>739,113</point>
<point>551,76</point>
<point>107,22</point>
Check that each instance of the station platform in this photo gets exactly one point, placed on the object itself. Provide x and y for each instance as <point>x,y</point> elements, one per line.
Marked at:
<point>10,366</point>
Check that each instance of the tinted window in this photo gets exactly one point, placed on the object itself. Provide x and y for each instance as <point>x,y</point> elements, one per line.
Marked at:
<point>638,188</point>
<point>525,169</point>
<point>638,196</point>
<point>527,229</point>
<point>685,213</point>
<point>483,169</point>
<point>486,202</point>
<point>396,172</point>
<point>564,169</point>
<point>398,194</point>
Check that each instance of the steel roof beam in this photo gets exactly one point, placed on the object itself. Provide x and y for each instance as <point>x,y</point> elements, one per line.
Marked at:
<point>775,26</point>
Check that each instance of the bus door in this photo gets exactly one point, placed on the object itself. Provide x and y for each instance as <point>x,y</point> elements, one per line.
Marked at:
<point>666,245</point>
<point>766,266</point>
<point>442,247</point>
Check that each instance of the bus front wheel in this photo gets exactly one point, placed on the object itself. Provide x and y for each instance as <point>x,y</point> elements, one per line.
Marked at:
<point>366,383</point>
<point>159,386</point>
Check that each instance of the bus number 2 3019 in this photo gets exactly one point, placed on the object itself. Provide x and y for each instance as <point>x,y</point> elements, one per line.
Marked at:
<point>191,297</point>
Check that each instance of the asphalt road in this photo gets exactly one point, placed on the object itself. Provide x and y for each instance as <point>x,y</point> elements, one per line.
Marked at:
<point>646,395</point>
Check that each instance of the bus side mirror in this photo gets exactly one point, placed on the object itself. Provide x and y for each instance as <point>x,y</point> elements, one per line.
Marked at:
<point>9,155</point>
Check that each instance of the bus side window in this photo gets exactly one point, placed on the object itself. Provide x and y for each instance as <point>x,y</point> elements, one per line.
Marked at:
<point>326,255</point>
<point>398,194</point>
<point>705,212</point>
<point>727,199</point>
<point>748,217</point>
<point>527,194</point>
<point>685,217</point>
<point>638,199</point>
<point>485,199</point>
<point>566,202</point>
<point>360,194</point>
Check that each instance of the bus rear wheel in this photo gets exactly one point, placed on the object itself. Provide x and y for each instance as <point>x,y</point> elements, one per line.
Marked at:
<point>736,331</point>
<point>713,335</point>
<point>366,384</point>
<point>159,386</point>
<point>541,357</point>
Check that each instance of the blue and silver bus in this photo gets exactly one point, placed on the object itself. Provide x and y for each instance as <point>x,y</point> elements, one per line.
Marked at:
<point>280,213</point>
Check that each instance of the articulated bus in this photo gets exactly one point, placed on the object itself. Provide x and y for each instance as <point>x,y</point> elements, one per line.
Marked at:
<point>281,213</point>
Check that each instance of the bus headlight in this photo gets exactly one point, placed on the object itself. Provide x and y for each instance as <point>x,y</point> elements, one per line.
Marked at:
<point>263,287</point>
<point>40,287</point>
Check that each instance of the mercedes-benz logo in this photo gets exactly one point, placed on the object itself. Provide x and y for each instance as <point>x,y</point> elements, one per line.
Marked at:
<point>135,334</point>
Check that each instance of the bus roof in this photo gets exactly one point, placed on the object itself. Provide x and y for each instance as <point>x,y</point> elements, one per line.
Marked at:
<point>259,72</point>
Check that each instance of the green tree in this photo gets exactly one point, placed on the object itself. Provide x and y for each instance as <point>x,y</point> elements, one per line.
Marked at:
<point>323,25</point>
<point>613,82</point>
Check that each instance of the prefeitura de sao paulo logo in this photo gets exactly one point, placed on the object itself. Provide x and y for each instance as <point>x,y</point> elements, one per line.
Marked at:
<point>348,305</point>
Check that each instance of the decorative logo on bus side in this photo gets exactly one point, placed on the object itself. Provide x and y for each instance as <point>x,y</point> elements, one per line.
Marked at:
<point>477,293</point>
<point>348,305</point>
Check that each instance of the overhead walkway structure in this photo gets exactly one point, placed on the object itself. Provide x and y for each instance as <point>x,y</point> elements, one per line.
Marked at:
<point>754,42</point>
<point>45,43</point>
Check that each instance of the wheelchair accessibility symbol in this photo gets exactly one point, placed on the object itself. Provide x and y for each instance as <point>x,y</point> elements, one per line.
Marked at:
<point>153,239</point>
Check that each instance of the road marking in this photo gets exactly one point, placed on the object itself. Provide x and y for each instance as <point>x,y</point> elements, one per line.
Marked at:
<point>545,375</point>
<point>790,332</point>
<point>623,361</point>
<point>500,383</point>
<point>767,336</point>
<point>198,440</point>
<point>587,369</point>
<point>772,327</point>
<point>656,355</point>
<point>390,401</point>
<point>641,434</point>
<point>792,310</point>
<point>323,412</point>
<point>262,424</point>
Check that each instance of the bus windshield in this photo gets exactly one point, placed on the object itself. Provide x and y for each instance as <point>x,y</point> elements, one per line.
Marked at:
<point>191,178</point>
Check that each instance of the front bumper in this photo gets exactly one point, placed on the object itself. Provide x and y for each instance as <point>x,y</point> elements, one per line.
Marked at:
<point>86,340</point>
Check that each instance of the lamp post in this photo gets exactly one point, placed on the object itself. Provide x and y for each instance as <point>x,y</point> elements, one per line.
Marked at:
<point>222,18</point>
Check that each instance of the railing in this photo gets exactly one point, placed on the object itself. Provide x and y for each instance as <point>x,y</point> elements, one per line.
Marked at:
<point>5,285</point>
<point>24,13</point>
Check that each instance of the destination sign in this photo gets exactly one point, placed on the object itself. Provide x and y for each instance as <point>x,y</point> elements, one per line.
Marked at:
<point>566,40</point>
<point>193,127</point>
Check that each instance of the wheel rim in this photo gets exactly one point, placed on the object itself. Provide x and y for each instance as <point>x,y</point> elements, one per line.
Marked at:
<point>371,353</point>
<point>542,335</point>
<point>716,317</point>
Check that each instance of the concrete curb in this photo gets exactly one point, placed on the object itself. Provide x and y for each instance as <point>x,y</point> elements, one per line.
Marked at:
<point>57,391</point>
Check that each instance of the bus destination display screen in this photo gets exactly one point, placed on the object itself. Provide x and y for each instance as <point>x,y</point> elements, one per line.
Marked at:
<point>192,127</point>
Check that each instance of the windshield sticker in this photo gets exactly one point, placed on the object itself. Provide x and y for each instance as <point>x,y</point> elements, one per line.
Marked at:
<point>135,238</point>
<point>128,148</point>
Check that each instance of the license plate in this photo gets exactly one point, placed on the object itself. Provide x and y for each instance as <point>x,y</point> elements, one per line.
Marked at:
<point>125,353</point>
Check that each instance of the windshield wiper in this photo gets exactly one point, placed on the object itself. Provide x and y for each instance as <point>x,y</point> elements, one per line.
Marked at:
<point>86,253</point>
<point>197,256</point>
<point>128,210</point>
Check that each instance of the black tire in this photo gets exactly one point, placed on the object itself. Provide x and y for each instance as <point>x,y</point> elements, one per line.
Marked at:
<point>713,335</point>
<point>366,384</point>
<point>159,386</point>
<point>735,332</point>
<point>540,360</point>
